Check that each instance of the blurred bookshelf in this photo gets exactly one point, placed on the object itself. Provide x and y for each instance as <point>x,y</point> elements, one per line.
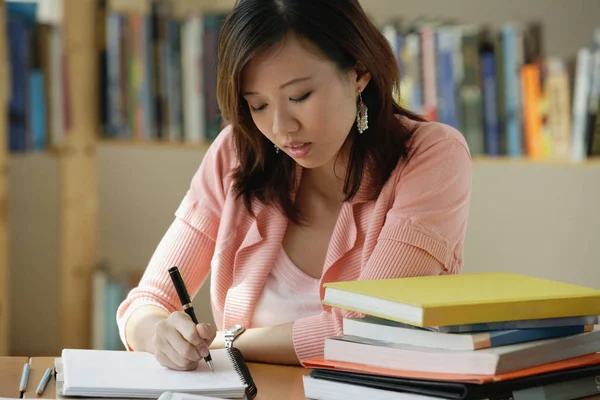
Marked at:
<point>51,117</point>
<point>497,85</point>
<point>118,76</point>
<point>4,272</point>
<point>156,79</point>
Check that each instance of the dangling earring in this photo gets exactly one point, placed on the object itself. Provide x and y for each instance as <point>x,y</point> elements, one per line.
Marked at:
<point>276,148</point>
<point>362,118</point>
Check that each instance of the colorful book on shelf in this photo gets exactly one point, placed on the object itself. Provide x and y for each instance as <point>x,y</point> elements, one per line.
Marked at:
<point>373,328</point>
<point>492,361</point>
<point>430,301</point>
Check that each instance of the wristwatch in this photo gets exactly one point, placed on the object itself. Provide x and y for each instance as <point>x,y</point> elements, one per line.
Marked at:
<point>232,333</point>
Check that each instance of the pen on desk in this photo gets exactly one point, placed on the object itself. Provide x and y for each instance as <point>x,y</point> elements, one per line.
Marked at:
<point>44,382</point>
<point>186,302</point>
<point>24,378</point>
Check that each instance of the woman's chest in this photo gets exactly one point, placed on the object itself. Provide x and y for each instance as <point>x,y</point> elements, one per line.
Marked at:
<point>307,244</point>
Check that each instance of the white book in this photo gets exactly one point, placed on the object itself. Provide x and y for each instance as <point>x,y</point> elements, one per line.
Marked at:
<point>129,374</point>
<point>580,103</point>
<point>192,86</point>
<point>382,330</point>
<point>492,361</point>
<point>322,389</point>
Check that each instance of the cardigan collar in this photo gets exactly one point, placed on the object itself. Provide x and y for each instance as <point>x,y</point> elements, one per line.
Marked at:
<point>258,252</point>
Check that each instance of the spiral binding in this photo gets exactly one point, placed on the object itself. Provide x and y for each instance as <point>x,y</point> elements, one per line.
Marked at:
<point>239,363</point>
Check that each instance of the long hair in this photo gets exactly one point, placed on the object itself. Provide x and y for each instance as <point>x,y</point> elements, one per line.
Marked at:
<point>342,31</point>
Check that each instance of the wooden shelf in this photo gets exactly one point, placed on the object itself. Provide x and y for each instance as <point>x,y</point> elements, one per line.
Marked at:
<point>169,145</point>
<point>588,162</point>
<point>78,176</point>
<point>153,144</point>
<point>179,8</point>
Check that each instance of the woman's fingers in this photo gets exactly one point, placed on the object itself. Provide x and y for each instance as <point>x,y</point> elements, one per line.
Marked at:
<point>167,356</point>
<point>208,332</point>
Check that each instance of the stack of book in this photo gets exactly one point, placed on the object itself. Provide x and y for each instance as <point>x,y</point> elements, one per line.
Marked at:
<point>469,336</point>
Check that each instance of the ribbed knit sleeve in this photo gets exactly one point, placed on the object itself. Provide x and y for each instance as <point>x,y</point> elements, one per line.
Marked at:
<point>309,333</point>
<point>423,232</point>
<point>189,243</point>
<point>183,246</point>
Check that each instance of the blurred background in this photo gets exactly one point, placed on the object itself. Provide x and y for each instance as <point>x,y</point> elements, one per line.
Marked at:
<point>107,108</point>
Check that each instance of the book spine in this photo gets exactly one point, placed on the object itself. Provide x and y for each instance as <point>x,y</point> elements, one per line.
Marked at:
<point>490,111</point>
<point>428,60</point>
<point>580,106</point>
<point>503,338</point>
<point>531,84</point>
<point>523,324</point>
<point>445,77</point>
<point>512,50</point>
<point>471,102</point>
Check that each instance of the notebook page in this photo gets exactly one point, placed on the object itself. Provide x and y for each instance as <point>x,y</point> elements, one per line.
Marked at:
<point>140,372</point>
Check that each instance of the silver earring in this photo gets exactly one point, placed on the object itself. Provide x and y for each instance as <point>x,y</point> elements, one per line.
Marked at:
<point>362,118</point>
<point>276,148</point>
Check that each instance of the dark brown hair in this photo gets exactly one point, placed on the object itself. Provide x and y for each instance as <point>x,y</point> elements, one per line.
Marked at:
<point>342,32</point>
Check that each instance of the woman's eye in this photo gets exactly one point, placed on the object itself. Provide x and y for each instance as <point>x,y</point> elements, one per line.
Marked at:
<point>258,109</point>
<point>301,98</point>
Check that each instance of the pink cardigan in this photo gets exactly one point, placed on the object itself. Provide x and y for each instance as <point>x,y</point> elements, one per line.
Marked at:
<point>416,227</point>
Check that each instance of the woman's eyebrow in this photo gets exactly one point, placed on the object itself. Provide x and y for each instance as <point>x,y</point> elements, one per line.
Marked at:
<point>293,81</point>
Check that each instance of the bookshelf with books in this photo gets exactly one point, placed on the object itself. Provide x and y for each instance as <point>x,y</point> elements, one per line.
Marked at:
<point>107,150</point>
<point>52,119</point>
<point>4,273</point>
<point>497,84</point>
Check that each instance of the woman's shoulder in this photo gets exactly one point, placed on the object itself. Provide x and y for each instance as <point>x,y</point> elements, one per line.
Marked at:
<point>220,156</point>
<point>434,149</point>
<point>433,136</point>
<point>222,144</point>
<point>217,163</point>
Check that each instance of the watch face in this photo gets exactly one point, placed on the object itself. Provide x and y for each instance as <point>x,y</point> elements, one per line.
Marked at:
<point>236,329</point>
<point>232,333</point>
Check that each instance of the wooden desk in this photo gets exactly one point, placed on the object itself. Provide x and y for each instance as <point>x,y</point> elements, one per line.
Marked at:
<point>11,369</point>
<point>272,381</point>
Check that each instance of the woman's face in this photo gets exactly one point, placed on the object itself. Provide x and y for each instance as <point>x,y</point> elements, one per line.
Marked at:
<point>301,102</point>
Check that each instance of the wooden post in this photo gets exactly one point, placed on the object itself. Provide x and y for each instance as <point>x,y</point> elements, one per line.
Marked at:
<point>78,174</point>
<point>4,267</point>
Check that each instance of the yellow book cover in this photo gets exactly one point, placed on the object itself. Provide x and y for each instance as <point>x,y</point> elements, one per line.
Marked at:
<point>468,298</point>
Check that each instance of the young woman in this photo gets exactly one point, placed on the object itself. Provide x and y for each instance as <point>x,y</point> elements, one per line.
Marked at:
<point>317,176</point>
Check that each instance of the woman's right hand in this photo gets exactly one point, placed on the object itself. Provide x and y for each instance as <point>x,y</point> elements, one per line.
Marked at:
<point>179,343</point>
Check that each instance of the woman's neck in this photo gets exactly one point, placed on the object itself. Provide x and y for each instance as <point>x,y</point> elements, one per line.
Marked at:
<point>325,183</point>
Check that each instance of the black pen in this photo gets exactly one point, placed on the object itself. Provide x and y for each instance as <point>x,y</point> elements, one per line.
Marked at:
<point>186,302</point>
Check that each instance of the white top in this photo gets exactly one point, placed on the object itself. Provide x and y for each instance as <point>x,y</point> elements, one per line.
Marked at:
<point>288,294</point>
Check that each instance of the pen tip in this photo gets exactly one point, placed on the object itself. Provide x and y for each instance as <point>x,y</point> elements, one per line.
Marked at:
<point>210,365</point>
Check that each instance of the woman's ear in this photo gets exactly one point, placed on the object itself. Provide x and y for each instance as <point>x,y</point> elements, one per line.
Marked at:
<point>363,76</point>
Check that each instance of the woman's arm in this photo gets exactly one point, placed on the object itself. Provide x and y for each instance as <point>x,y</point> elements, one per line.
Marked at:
<point>303,339</point>
<point>141,325</point>
<point>189,244</point>
<point>155,298</point>
<point>269,344</point>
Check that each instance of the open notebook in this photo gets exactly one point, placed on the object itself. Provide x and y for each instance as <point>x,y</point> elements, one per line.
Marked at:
<point>125,374</point>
